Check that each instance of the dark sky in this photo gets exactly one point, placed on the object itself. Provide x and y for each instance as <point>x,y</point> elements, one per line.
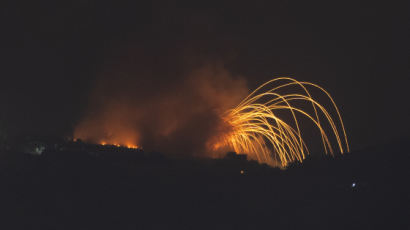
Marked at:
<point>54,53</point>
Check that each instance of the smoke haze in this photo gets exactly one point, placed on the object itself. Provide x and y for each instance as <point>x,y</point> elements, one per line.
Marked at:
<point>177,116</point>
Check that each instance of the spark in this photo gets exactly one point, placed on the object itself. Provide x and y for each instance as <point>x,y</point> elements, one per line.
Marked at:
<point>257,129</point>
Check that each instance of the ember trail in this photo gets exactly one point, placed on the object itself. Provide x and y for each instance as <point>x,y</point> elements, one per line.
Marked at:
<point>257,130</point>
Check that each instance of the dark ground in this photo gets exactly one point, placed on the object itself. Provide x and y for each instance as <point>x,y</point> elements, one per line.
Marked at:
<point>79,191</point>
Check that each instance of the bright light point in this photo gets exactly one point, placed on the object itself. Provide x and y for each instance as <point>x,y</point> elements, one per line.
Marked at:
<point>242,172</point>
<point>353,184</point>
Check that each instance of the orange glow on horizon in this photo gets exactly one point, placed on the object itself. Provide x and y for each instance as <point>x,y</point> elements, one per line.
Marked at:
<point>129,146</point>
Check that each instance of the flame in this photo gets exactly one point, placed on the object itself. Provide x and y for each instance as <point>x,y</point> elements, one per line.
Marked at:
<point>256,129</point>
<point>132,146</point>
<point>128,145</point>
<point>108,132</point>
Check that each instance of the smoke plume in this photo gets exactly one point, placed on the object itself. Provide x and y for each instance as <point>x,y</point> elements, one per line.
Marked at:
<point>177,114</point>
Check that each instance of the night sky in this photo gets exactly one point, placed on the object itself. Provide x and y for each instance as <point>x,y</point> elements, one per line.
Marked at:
<point>54,54</point>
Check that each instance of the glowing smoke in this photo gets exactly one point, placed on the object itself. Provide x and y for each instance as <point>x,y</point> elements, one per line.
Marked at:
<point>176,117</point>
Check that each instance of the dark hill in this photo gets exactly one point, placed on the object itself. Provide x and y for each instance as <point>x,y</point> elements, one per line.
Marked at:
<point>367,189</point>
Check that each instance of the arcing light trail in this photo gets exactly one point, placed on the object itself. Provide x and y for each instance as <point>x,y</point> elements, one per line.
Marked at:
<point>257,130</point>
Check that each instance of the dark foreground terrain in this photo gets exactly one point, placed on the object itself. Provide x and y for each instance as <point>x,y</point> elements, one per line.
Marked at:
<point>366,189</point>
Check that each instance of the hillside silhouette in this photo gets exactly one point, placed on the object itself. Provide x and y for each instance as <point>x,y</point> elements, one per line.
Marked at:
<point>366,189</point>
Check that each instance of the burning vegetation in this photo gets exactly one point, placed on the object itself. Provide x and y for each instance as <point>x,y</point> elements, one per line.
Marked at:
<point>177,117</point>
<point>197,116</point>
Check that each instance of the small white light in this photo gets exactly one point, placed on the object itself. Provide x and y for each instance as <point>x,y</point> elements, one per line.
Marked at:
<point>353,184</point>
